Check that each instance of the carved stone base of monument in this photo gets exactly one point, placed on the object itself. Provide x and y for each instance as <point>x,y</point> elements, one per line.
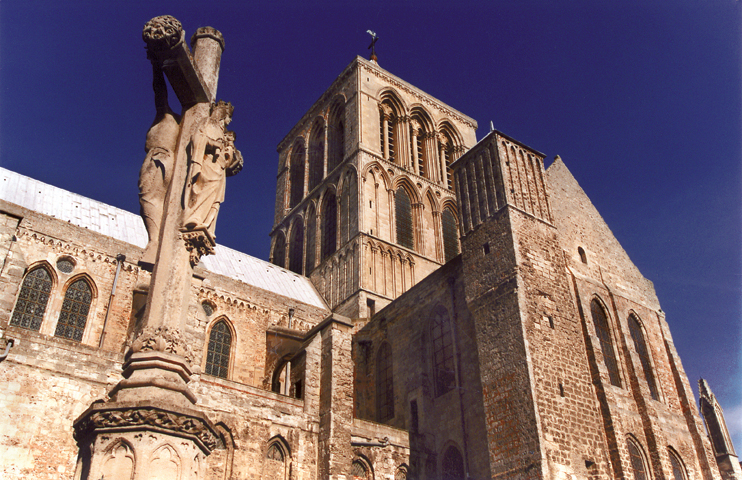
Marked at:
<point>125,440</point>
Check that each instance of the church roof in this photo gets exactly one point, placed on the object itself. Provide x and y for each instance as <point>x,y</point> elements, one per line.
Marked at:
<point>128,227</point>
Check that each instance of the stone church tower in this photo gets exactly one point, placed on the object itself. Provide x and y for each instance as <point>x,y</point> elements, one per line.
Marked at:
<point>365,203</point>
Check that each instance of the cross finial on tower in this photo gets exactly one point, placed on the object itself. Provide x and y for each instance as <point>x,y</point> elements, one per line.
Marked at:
<point>374,39</point>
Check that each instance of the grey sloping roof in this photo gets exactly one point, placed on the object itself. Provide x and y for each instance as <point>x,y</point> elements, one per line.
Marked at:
<point>128,227</point>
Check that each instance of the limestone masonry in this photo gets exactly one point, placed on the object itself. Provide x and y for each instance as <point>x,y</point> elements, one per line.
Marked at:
<point>435,307</point>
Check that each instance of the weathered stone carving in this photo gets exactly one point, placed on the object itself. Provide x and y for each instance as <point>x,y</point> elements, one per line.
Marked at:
<point>198,242</point>
<point>162,33</point>
<point>157,169</point>
<point>212,157</point>
<point>163,339</point>
<point>179,424</point>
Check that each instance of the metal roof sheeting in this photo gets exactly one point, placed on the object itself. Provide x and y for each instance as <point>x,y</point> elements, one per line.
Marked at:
<point>128,227</point>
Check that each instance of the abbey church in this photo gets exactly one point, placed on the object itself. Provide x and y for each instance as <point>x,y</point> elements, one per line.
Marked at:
<point>435,307</point>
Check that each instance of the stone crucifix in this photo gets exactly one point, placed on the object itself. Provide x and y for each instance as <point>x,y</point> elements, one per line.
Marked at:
<point>182,184</point>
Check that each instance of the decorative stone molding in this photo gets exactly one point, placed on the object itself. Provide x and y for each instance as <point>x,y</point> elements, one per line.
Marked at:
<point>162,33</point>
<point>163,339</point>
<point>198,242</point>
<point>103,418</point>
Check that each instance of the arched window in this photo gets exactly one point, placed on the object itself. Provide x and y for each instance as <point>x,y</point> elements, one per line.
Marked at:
<point>403,211</point>
<point>329,225</point>
<point>297,175</point>
<point>75,308</point>
<point>388,131</point>
<point>638,464</point>
<point>384,383</point>
<point>349,207</point>
<point>316,155</point>
<point>31,305</point>
<point>452,466</point>
<point>219,349</point>
<point>336,137</point>
<point>359,470</point>
<point>450,234</point>
<point>678,469</point>
<point>296,247</point>
<point>311,239</point>
<point>640,345</point>
<point>583,255</point>
<point>600,320</point>
<point>274,453</point>
<point>418,135</point>
<point>279,250</point>
<point>444,373</point>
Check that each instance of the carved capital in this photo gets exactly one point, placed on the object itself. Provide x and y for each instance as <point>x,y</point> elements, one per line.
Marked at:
<point>112,419</point>
<point>163,339</point>
<point>198,242</point>
<point>162,33</point>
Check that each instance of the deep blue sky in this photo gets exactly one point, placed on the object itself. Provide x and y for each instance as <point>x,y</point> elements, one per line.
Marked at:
<point>642,100</point>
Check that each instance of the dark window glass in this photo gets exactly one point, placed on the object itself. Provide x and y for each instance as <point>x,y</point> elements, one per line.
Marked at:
<point>384,383</point>
<point>75,308</point>
<point>217,355</point>
<point>678,472</point>
<point>311,244</point>
<point>641,348</point>
<point>450,234</point>
<point>637,462</point>
<point>65,265</point>
<point>31,304</point>
<point>275,453</point>
<point>606,343</point>
<point>443,364</point>
<point>329,225</point>
<point>296,248</point>
<point>403,210</point>
<point>279,251</point>
<point>297,175</point>
<point>453,465</point>
<point>358,470</point>
<point>390,135</point>
<point>316,156</point>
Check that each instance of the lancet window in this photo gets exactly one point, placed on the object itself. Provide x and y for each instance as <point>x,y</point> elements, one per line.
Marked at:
<point>296,247</point>
<point>316,155</point>
<point>336,137</point>
<point>444,374</point>
<point>446,153</point>
<point>31,304</point>
<point>450,234</point>
<point>602,329</point>
<point>638,464</point>
<point>384,383</point>
<point>678,470</point>
<point>75,308</point>
<point>453,465</point>
<point>387,131</point>
<point>359,470</point>
<point>329,224</point>
<point>218,350</point>
<point>297,175</point>
<point>641,348</point>
<point>403,211</point>
<point>279,250</point>
<point>311,239</point>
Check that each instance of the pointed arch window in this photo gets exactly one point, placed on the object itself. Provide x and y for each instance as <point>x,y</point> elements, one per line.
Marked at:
<point>600,320</point>
<point>678,469</point>
<point>403,211</point>
<point>311,240</point>
<point>274,453</point>
<point>384,383</point>
<point>329,225</point>
<point>32,300</point>
<point>75,308</point>
<point>297,175</point>
<point>296,247</point>
<point>316,155</point>
<point>452,465</point>
<point>640,345</point>
<point>359,470</point>
<point>444,373</point>
<point>336,138</point>
<point>387,131</point>
<point>638,464</point>
<point>279,250</point>
<point>218,350</point>
<point>450,234</point>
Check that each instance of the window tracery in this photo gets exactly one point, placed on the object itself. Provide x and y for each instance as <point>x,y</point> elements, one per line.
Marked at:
<point>678,469</point>
<point>218,350</point>
<point>403,211</point>
<point>32,299</point>
<point>450,234</point>
<point>74,313</point>
<point>638,464</point>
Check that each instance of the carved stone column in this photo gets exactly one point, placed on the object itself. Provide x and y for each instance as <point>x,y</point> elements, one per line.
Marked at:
<point>414,132</point>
